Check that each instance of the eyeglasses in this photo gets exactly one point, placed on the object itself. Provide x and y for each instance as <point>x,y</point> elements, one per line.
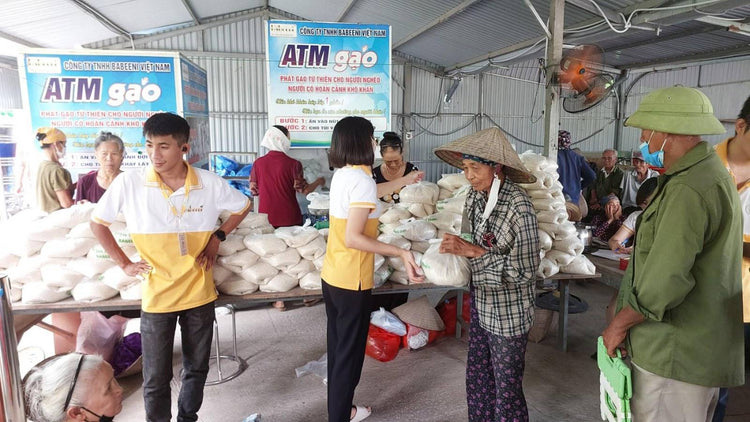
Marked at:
<point>73,383</point>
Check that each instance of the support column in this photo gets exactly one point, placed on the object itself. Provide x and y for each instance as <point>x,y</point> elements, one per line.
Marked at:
<point>406,109</point>
<point>552,90</point>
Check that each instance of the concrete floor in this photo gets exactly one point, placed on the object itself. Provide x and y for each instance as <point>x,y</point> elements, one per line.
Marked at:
<point>425,385</point>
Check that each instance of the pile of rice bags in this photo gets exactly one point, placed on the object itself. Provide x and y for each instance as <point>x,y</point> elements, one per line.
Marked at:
<point>418,223</point>
<point>561,249</point>
<point>257,257</point>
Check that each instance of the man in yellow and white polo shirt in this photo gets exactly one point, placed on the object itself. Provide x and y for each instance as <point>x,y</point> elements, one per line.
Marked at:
<point>171,209</point>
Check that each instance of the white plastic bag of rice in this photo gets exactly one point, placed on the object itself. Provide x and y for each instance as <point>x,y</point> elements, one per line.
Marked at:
<point>452,181</point>
<point>67,248</point>
<point>296,236</point>
<point>237,286</point>
<point>221,274</point>
<point>419,230</point>
<point>38,292</point>
<point>81,230</point>
<point>44,231</point>
<point>23,246</point>
<point>98,252</point>
<point>231,245</point>
<point>71,217</point>
<point>318,262</point>
<point>381,275</point>
<point>398,264</point>
<point>445,220</point>
<point>8,260</point>
<point>302,268</point>
<point>259,273</point>
<point>283,260</point>
<point>445,269</point>
<point>314,249</point>
<point>420,247</point>
<point>15,292</point>
<point>116,278</point>
<point>241,259</point>
<point>264,244</point>
<point>281,282</point>
<point>92,291</point>
<point>132,291</point>
<point>399,277</point>
<point>420,193</point>
<point>311,281</point>
<point>395,240</point>
<point>90,268</point>
<point>394,215</point>
<point>60,277</point>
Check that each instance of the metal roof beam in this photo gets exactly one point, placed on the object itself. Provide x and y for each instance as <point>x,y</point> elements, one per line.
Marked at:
<point>661,39</point>
<point>440,19</point>
<point>588,6</point>
<point>673,15</point>
<point>695,58</point>
<point>189,8</point>
<point>733,26</point>
<point>17,40</point>
<point>252,13</point>
<point>346,10</point>
<point>105,21</point>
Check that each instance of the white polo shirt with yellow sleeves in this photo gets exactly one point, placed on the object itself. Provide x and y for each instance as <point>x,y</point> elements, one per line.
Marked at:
<point>169,229</point>
<point>346,268</point>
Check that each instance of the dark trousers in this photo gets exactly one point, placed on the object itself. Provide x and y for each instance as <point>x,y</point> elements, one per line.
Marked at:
<point>348,313</point>
<point>157,337</point>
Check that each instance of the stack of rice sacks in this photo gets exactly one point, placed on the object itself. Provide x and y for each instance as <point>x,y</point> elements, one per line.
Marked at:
<point>561,249</point>
<point>414,225</point>
<point>256,257</point>
<point>50,257</point>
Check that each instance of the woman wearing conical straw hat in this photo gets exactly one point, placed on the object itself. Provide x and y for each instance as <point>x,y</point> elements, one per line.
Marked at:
<point>500,238</point>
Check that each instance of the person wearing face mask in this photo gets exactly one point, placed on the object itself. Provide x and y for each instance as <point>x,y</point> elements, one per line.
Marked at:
<point>679,310</point>
<point>72,387</point>
<point>394,173</point>
<point>54,186</point>
<point>632,181</point>
<point>109,151</point>
<point>500,237</point>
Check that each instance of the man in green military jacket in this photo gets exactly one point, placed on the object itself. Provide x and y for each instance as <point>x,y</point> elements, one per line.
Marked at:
<point>680,303</point>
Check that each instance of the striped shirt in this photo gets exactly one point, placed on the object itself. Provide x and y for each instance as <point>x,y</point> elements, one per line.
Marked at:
<point>503,278</point>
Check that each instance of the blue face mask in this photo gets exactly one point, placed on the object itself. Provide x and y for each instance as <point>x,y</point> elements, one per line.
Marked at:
<point>655,159</point>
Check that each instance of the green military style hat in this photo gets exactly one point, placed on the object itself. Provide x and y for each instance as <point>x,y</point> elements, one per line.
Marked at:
<point>679,110</point>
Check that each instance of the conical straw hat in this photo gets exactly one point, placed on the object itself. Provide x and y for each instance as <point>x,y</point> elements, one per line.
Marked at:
<point>490,144</point>
<point>420,314</point>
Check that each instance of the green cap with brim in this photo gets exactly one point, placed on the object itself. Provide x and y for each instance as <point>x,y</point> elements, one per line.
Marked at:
<point>678,110</point>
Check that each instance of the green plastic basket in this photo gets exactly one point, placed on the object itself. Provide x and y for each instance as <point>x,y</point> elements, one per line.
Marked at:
<point>615,386</point>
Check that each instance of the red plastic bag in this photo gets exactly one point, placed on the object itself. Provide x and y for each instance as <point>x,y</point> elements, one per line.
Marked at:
<point>447,311</point>
<point>416,337</point>
<point>381,344</point>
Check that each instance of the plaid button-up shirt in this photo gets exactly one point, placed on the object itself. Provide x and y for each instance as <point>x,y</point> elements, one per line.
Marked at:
<point>503,278</point>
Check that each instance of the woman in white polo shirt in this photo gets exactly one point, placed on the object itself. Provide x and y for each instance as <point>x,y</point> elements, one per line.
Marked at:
<point>349,263</point>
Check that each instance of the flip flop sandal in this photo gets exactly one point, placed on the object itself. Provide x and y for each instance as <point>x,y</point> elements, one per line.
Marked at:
<point>361,414</point>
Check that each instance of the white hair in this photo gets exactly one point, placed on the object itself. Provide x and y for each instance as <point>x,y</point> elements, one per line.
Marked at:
<point>46,386</point>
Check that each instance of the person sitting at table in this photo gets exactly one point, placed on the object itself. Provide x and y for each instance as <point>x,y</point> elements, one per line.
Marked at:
<point>618,241</point>
<point>109,151</point>
<point>607,224</point>
<point>394,173</point>
<point>72,387</point>
<point>503,253</point>
<point>632,181</point>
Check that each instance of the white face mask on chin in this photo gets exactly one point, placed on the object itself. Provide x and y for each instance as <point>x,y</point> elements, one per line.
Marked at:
<point>60,152</point>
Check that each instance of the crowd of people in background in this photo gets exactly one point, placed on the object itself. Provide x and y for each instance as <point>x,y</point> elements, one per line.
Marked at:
<point>678,315</point>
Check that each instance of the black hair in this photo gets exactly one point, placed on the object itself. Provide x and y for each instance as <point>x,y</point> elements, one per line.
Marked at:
<point>164,124</point>
<point>647,188</point>
<point>351,142</point>
<point>745,112</point>
<point>283,130</point>
<point>391,140</point>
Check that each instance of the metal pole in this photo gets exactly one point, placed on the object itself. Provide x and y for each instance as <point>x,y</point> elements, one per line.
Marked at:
<point>552,97</point>
<point>10,373</point>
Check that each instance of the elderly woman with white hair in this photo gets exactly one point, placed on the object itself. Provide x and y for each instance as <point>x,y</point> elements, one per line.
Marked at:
<point>501,239</point>
<point>72,387</point>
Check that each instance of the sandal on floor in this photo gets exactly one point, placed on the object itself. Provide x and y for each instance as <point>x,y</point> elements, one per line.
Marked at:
<point>311,302</point>
<point>279,306</point>
<point>361,414</point>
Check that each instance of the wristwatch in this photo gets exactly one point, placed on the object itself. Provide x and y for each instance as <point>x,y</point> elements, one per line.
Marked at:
<point>220,235</point>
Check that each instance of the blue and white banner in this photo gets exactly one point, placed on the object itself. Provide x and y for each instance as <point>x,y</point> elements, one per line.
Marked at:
<point>321,72</point>
<point>85,93</point>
